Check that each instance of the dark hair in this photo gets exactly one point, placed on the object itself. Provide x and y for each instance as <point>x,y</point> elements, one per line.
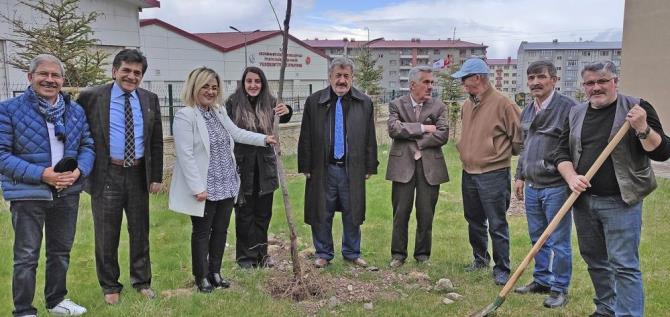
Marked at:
<point>603,66</point>
<point>253,113</point>
<point>537,67</point>
<point>130,55</point>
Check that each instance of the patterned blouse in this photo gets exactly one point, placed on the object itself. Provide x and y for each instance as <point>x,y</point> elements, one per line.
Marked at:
<point>222,182</point>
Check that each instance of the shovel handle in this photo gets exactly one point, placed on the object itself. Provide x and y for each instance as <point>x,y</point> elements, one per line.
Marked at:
<point>564,209</point>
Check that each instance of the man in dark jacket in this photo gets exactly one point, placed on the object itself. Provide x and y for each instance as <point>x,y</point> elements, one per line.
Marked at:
<point>608,213</point>
<point>126,126</point>
<point>337,152</point>
<point>545,190</point>
<point>39,129</point>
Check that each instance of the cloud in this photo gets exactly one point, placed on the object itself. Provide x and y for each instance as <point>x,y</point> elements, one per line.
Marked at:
<point>501,25</point>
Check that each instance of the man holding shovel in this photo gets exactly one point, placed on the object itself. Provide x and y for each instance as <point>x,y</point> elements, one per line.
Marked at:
<point>544,188</point>
<point>608,213</point>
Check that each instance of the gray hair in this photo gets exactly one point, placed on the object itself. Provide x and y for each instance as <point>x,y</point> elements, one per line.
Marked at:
<point>45,58</point>
<point>338,62</point>
<point>415,72</point>
<point>601,67</point>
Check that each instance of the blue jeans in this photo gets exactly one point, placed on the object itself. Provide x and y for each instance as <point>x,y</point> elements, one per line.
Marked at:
<point>553,263</point>
<point>58,218</point>
<point>608,231</point>
<point>322,233</point>
<point>486,198</point>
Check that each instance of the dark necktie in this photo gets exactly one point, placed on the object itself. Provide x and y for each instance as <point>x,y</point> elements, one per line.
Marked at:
<point>129,146</point>
<point>339,129</point>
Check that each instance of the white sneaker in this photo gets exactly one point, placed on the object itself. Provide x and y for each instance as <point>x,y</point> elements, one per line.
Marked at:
<point>67,308</point>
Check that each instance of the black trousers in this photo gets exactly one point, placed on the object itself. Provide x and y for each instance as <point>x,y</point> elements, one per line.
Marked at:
<point>402,197</point>
<point>252,221</point>
<point>125,190</point>
<point>57,219</point>
<point>208,239</point>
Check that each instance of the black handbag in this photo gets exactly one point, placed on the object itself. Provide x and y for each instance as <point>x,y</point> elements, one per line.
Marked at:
<point>66,164</point>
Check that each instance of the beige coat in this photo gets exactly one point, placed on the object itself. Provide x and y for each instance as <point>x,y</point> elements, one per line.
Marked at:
<point>405,130</point>
<point>191,143</point>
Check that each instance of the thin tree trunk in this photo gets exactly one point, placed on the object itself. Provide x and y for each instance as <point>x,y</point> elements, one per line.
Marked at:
<point>280,165</point>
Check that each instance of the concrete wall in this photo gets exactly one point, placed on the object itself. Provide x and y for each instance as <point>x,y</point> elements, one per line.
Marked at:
<point>646,48</point>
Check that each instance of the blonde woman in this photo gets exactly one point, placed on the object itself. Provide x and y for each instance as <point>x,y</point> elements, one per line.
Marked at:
<point>205,182</point>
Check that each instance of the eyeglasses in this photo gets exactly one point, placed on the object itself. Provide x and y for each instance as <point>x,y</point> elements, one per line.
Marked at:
<point>600,82</point>
<point>47,74</point>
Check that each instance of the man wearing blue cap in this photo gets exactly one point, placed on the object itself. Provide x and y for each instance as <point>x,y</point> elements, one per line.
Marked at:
<point>491,133</point>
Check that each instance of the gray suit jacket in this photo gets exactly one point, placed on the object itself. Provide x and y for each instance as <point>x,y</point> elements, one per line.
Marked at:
<point>405,130</point>
<point>96,102</point>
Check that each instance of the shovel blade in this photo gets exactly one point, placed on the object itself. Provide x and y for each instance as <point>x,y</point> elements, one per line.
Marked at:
<point>490,309</point>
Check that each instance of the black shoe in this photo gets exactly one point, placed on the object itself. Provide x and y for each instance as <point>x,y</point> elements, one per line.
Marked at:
<point>501,277</point>
<point>217,281</point>
<point>475,266</point>
<point>421,259</point>
<point>203,285</point>
<point>555,300</point>
<point>533,287</point>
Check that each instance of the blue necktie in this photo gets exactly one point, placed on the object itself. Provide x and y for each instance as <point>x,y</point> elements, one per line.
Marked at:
<point>339,129</point>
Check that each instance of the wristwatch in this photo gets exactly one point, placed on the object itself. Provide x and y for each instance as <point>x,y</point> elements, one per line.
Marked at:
<point>643,135</point>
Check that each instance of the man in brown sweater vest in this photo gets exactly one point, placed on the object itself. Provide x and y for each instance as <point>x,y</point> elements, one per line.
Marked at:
<point>491,134</point>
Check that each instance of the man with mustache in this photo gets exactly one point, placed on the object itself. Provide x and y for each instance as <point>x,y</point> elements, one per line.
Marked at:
<point>417,125</point>
<point>545,190</point>
<point>491,133</point>
<point>337,152</point>
<point>126,126</point>
<point>608,213</point>
<point>37,130</point>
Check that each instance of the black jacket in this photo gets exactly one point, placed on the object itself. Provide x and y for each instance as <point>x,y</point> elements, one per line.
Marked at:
<point>256,164</point>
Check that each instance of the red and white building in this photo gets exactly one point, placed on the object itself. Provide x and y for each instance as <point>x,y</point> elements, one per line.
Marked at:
<point>503,75</point>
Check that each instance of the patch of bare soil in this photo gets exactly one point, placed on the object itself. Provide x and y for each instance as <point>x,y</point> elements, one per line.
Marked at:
<point>516,207</point>
<point>318,289</point>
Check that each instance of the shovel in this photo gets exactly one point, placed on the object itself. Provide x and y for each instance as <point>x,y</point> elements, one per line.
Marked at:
<point>552,225</point>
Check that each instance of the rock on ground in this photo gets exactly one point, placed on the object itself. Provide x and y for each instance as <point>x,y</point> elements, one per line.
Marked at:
<point>368,306</point>
<point>454,296</point>
<point>444,285</point>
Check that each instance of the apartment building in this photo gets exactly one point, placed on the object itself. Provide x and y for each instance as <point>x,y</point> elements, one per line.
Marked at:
<point>397,57</point>
<point>569,58</point>
<point>503,75</point>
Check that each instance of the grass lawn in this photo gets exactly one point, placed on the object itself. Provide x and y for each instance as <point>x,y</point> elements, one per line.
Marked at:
<point>171,262</point>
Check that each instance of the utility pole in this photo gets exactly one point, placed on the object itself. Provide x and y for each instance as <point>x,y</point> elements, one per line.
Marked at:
<point>246,59</point>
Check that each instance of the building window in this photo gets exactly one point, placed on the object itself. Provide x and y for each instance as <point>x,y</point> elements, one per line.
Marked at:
<point>572,62</point>
<point>393,62</point>
<point>506,75</point>
<point>618,53</point>
<point>513,82</point>
<point>506,82</point>
<point>545,52</point>
<point>532,53</point>
<point>513,89</point>
<point>571,53</point>
<point>513,74</point>
<point>558,67</point>
<point>391,84</point>
<point>393,73</point>
<point>559,57</point>
<point>506,67</point>
<point>571,73</point>
<point>569,84</point>
<point>604,53</point>
<point>586,53</point>
<point>436,52</point>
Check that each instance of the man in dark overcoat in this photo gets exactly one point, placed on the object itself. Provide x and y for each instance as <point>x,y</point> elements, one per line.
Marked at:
<point>337,152</point>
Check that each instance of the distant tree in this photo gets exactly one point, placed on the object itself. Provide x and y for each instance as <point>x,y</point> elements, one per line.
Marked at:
<point>63,32</point>
<point>368,75</point>
<point>452,93</point>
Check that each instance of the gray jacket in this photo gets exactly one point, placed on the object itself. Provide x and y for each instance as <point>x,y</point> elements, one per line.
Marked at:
<point>540,136</point>
<point>631,164</point>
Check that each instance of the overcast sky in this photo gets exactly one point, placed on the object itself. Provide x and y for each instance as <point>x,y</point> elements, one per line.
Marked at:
<point>500,24</point>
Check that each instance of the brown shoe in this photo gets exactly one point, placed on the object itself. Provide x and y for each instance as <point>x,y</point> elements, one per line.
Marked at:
<point>358,262</point>
<point>321,263</point>
<point>148,293</point>
<point>112,299</point>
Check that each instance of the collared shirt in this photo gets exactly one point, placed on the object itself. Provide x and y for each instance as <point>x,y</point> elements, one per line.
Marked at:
<point>117,123</point>
<point>541,105</point>
<point>415,104</point>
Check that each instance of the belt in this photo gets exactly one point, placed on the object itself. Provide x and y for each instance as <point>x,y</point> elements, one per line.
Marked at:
<point>120,162</point>
<point>337,163</point>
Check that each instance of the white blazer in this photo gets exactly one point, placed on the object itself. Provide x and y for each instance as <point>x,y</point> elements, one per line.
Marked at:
<point>191,143</point>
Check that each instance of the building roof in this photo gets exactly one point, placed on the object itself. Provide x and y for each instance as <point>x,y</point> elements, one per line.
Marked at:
<point>382,43</point>
<point>226,41</point>
<point>556,45</point>
<point>501,61</point>
<point>145,4</point>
